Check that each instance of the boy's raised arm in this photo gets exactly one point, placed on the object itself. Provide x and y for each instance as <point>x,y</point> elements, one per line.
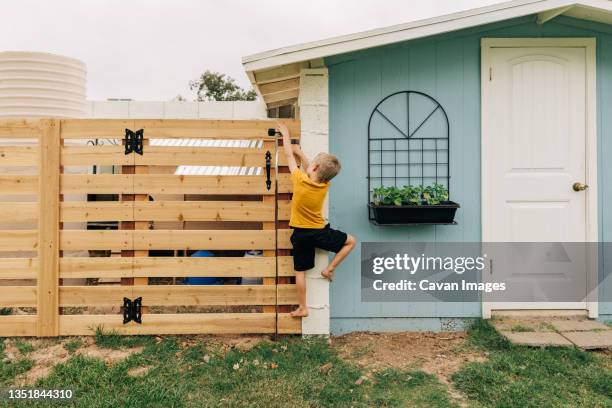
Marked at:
<point>297,150</point>
<point>284,130</point>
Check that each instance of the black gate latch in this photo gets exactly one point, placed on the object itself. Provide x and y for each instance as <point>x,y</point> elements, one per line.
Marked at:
<point>132,310</point>
<point>133,141</point>
<point>268,166</point>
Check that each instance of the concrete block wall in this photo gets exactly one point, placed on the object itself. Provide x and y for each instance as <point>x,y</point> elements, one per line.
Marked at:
<point>314,117</point>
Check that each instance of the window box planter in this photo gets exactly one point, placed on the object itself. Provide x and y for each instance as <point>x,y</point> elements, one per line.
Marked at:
<point>413,214</point>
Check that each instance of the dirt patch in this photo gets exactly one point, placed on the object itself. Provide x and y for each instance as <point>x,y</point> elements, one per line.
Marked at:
<point>48,353</point>
<point>440,354</point>
<point>223,343</point>
<point>44,358</point>
<point>109,356</point>
<point>139,371</point>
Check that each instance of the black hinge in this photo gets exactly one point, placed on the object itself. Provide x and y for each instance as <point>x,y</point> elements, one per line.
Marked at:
<point>273,132</point>
<point>133,141</point>
<point>268,166</point>
<point>132,310</point>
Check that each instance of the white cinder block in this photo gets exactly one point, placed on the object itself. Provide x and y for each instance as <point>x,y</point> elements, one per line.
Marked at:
<point>317,298</point>
<point>315,118</point>
<point>250,110</point>
<point>180,110</point>
<point>313,143</point>
<point>313,86</point>
<point>216,110</point>
<point>317,322</point>
<point>110,110</point>
<point>146,110</point>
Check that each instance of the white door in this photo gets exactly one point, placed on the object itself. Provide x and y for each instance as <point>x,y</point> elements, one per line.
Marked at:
<point>534,150</point>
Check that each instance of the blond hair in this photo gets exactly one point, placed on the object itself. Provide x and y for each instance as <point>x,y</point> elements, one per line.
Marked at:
<point>329,166</point>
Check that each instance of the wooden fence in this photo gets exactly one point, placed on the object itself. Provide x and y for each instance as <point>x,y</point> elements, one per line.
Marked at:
<point>86,224</point>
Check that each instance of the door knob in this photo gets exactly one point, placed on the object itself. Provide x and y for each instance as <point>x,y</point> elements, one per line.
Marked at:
<point>579,186</point>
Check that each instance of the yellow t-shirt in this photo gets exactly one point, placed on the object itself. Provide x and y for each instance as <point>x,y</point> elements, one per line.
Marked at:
<point>307,203</point>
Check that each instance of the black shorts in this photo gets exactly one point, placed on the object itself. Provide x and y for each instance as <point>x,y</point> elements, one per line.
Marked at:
<point>305,240</point>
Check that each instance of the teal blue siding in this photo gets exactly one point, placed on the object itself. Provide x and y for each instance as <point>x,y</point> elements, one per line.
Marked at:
<point>448,68</point>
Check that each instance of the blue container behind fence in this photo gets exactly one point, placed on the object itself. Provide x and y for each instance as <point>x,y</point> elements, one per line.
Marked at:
<point>203,281</point>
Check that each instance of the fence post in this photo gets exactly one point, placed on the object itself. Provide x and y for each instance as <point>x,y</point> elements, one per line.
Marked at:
<point>47,321</point>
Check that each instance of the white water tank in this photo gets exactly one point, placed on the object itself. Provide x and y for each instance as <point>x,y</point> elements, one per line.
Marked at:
<point>37,84</point>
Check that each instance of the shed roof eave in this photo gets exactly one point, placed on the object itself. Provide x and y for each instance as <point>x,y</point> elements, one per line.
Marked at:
<point>414,30</point>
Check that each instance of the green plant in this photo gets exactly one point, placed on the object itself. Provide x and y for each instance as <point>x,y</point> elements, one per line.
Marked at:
<point>411,194</point>
<point>387,196</point>
<point>415,195</point>
<point>72,345</point>
<point>435,194</point>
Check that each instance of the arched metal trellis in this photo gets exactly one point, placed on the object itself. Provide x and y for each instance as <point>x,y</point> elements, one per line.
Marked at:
<point>408,142</point>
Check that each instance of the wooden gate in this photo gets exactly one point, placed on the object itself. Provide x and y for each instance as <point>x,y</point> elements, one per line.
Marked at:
<point>183,221</point>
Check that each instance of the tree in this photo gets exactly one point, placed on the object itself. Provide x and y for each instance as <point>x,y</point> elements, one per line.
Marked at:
<point>215,86</point>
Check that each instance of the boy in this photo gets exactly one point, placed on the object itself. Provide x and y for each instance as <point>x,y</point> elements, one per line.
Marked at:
<point>310,230</point>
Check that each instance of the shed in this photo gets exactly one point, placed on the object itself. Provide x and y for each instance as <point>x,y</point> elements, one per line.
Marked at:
<point>526,86</point>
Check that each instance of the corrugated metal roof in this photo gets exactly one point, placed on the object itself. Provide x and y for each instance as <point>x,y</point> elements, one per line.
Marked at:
<point>207,143</point>
<point>212,170</point>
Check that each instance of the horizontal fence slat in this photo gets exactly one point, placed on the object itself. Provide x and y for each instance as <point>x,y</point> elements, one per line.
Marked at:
<point>167,211</point>
<point>18,240</point>
<point>18,268</point>
<point>18,325</point>
<point>18,156</point>
<point>18,184</point>
<point>17,296</point>
<point>95,128</point>
<point>101,155</point>
<point>171,184</point>
<point>173,128</point>
<point>164,156</point>
<point>19,211</point>
<point>167,239</point>
<point>163,184</point>
<point>213,129</point>
<point>288,325</point>
<point>182,323</point>
<point>19,129</point>
<point>176,295</point>
<point>160,267</point>
<point>74,211</point>
<point>204,239</point>
<point>204,211</point>
<point>99,183</point>
<point>96,240</point>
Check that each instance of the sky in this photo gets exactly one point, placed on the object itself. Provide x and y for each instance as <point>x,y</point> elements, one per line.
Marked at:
<point>151,49</point>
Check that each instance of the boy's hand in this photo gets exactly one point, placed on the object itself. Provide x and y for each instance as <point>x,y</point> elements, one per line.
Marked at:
<point>283,129</point>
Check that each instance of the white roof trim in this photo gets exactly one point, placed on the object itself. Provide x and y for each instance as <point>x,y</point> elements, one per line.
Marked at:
<point>413,30</point>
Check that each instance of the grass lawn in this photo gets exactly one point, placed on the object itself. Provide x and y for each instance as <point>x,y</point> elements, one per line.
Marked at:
<point>516,376</point>
<point>173,372</point>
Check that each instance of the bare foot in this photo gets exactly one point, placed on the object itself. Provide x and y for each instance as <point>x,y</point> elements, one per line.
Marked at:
<point>328,274</point>
<point>300,312</point>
